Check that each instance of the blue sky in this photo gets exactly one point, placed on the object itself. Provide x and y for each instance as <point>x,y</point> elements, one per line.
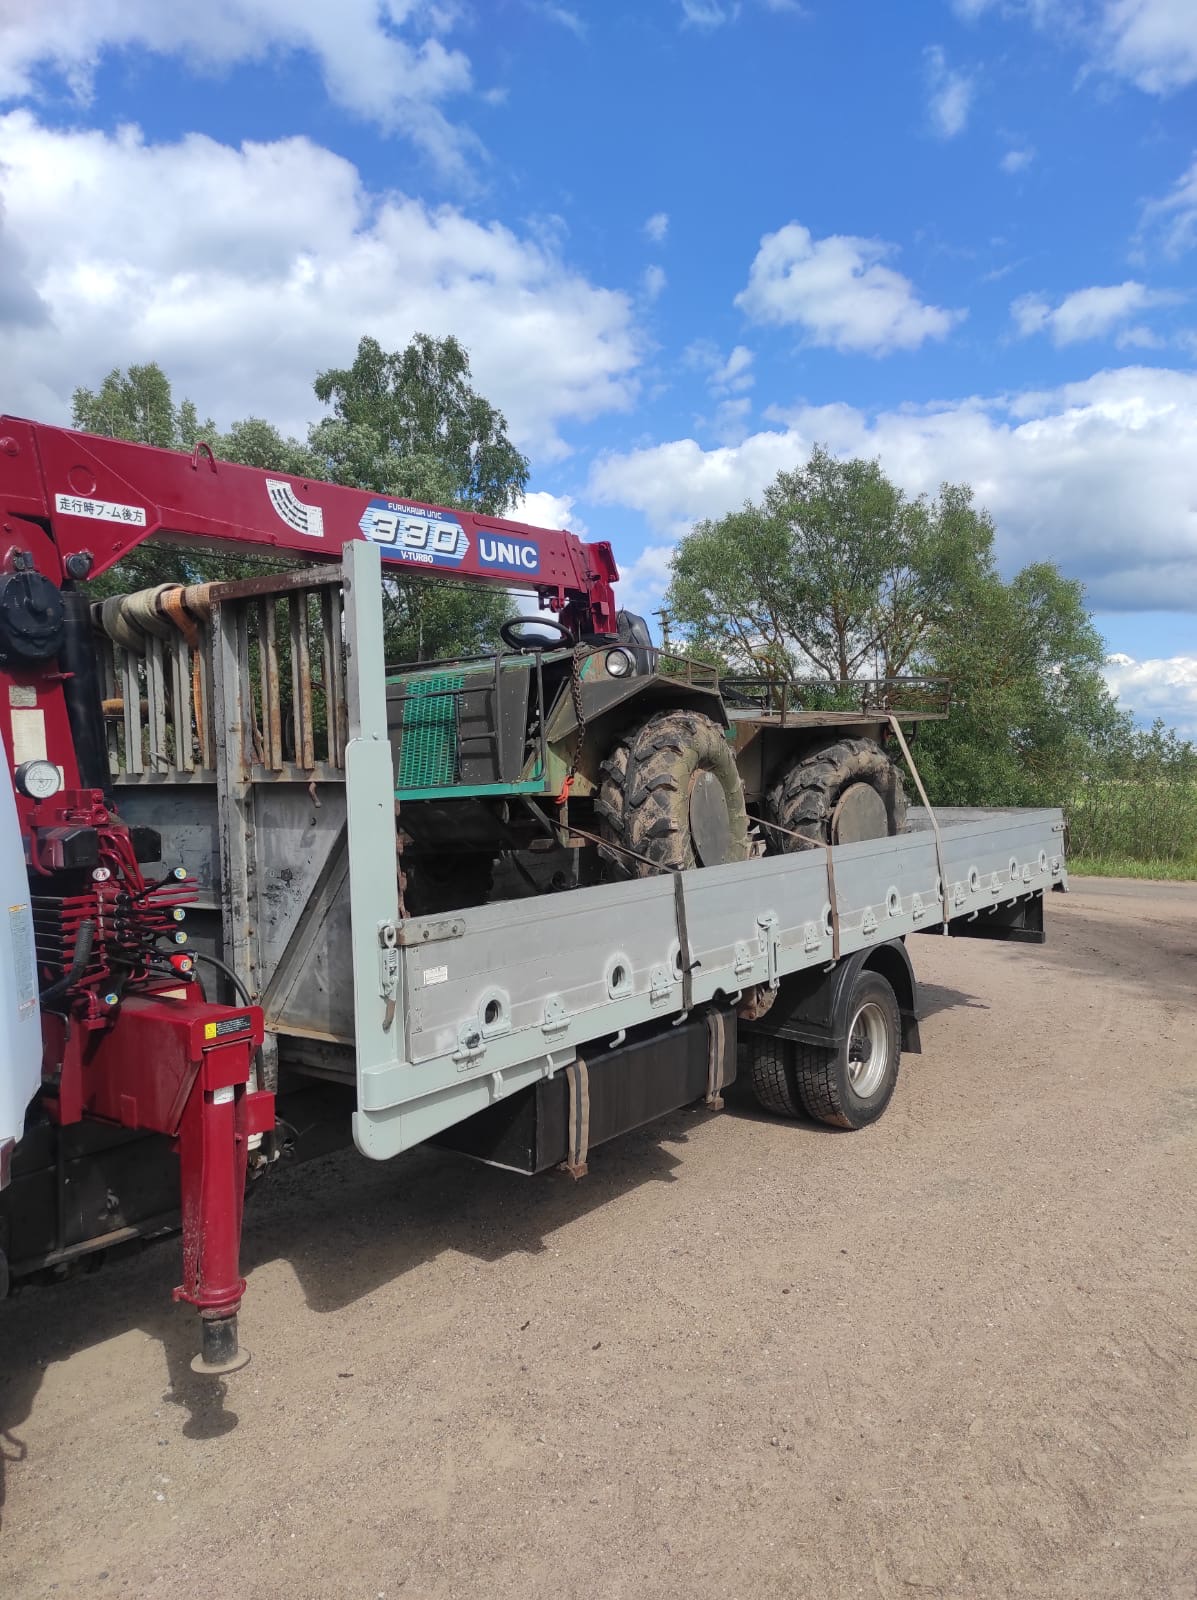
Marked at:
<point>683,239</point>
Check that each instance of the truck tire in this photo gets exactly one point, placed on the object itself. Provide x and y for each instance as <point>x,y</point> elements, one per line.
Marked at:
<point>851,1086</point>
<point>771,1074</point>
<point>844,792</point>
<point>847,1087</point>
<point>671,793</point>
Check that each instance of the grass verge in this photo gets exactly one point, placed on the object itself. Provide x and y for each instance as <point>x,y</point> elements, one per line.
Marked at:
<point>1184,871</point>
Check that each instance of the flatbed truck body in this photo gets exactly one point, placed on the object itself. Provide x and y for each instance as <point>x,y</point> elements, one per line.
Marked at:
<point>523,1031</point>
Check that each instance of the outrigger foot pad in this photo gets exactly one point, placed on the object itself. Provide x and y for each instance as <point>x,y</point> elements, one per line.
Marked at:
<point>219,1353</point>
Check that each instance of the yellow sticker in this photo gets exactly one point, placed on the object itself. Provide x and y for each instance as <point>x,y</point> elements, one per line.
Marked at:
<point>209,1030</point>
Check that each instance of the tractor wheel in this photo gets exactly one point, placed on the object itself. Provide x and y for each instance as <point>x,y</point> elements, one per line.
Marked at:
<point>672,794</point>
<point>845,792</point>
<point>437,883</point>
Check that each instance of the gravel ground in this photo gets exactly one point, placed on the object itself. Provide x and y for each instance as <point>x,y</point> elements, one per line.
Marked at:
<point>950,1355</point>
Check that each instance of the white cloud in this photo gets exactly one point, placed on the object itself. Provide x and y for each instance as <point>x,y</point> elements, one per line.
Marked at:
<point>545,510</point>
<point>950,94</point>
<point>565,19</point>
<point>1015,161</point>
<point>245,271</point>
<point>837,290</point>
<point>730,374</point>
<point>657,227</point>
<point>1151,43</point>
<point>1096,475</point>
<point>1088,313</point>
<point>653,282</point>
<point>1164,688</point>
<point>708,13</point>
<point>1175,215</point>
<point>381,59</point>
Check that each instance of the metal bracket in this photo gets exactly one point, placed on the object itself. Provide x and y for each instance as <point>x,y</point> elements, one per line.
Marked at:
<point>388,970</point>
<point>470,1045</point>
<point>419,933</point>
<point>769,939</point>
<point>556,1017</point>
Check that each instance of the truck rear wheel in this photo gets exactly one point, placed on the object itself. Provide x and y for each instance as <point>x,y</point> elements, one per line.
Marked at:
<point>847,1087</point>
<point>845,792</point>
<point>671,793</point>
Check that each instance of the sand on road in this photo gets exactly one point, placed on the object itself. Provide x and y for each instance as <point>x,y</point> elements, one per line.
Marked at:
<point>951,1355</point>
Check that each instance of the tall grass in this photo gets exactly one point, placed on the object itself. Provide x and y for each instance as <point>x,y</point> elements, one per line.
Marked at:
<point>1141,825</point>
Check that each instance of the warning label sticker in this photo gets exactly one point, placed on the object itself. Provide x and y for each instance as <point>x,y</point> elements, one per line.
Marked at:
<point>221,1030</point>
<point>20,925</point>
<point>74,505</point>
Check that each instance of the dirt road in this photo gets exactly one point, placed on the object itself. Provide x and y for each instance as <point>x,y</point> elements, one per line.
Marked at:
<point>953,1355</point>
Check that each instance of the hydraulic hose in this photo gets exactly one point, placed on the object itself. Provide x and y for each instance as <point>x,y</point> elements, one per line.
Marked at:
<point>215,961</point>
<point>84,941</point>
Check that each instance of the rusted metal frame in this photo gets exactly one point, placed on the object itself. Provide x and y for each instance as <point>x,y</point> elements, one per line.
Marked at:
<point>235,802</point>
<point>204,719</point>
<point>337,636</point>
<point>180,656</point>
<point>272,721</point>
<point>131,695</point>
<point>155,694</point>
<point>274,583</point>
<point>301,680</point>
<point>291,772</point>
<point>334,669</point>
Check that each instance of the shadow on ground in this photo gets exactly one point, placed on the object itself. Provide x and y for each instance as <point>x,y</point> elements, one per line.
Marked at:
<point>345,1225</point>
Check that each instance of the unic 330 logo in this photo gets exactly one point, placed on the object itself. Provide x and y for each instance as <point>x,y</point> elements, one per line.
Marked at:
<point>413,533</point>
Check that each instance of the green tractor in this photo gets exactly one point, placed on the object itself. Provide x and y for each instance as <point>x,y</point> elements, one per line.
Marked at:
<point>571,763</point>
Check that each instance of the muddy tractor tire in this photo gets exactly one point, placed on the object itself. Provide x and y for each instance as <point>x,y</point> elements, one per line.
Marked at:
<point>671,797</point>
<point>845,792</point>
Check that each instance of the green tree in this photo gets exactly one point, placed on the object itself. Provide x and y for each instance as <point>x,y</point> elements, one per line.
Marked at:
<point>1031,712</point>
<point>409,423</point>
<point>138,405</point>
<point>836,572</point>
<point>406,423</point>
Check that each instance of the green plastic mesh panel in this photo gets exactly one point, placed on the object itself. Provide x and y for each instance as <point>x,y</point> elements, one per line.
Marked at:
<point>428,751</point>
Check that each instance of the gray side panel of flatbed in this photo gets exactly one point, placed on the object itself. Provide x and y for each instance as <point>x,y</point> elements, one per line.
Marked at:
<point>469,1008</point>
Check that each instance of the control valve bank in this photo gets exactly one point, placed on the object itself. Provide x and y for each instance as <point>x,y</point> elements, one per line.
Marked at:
<point>262,891</point>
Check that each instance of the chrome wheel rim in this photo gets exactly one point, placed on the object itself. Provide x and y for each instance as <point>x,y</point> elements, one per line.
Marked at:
<point>868,1049</point>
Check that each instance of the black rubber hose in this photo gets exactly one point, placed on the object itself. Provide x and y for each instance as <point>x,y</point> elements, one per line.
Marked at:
<point>215,961</point>
<point>81,691</point>
<point>84,941</point>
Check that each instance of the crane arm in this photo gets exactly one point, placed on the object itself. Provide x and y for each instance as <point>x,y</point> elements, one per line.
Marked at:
<point>98,498</point>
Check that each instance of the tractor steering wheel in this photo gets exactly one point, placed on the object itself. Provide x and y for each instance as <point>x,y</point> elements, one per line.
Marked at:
<point>512,633</point>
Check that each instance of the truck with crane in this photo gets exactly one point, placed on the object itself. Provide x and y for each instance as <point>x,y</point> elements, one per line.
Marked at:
<point>262,889</point>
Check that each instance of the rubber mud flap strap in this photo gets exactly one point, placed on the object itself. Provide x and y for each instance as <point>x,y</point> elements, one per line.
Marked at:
<point>683,939</point>
<point>945,903</point>
<point>577,1076</point>
<point>716,1037</point>
<point>833,902</point>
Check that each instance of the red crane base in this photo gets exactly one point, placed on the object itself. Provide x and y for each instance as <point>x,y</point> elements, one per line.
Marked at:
<point>181,1067</point>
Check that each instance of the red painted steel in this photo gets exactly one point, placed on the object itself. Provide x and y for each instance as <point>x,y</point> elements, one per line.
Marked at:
<point>104,496</point>
<point>150,1053</point>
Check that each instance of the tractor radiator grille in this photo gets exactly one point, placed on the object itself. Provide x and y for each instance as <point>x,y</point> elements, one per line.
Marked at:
<point>428,751</point>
